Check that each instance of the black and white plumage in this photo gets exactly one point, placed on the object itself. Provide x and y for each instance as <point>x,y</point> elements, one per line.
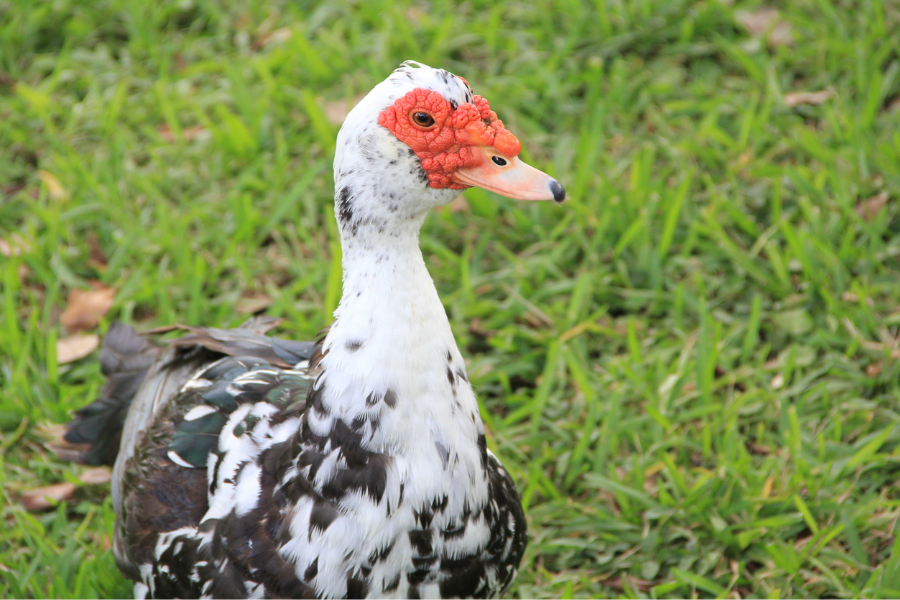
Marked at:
<point>355,467</point>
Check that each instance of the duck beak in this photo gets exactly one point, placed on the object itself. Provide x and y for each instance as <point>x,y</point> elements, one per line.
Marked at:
<point>509,176</point>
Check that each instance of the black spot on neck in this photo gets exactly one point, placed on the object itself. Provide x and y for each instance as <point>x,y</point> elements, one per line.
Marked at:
<point>345,204</point>
<point>443,452</point>
<point>482,450</point>
<point>353,345</point>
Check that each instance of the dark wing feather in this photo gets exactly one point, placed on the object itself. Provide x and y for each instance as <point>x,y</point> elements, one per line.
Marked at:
<point>235,342</point>
<point>126,358</point>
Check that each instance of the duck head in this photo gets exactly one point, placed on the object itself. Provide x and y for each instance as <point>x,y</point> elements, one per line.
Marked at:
<point>419,138</point>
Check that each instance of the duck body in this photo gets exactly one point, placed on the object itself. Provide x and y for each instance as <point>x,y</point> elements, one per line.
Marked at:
<point>355,466</point>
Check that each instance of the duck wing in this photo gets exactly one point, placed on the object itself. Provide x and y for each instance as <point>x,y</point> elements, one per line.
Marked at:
<point>210,398</point>
<point>93,436</point>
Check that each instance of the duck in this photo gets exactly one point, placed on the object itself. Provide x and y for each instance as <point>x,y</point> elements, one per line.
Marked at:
<point>356,465</point>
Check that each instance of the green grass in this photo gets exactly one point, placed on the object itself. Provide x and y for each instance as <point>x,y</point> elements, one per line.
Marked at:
<point>691,368</point>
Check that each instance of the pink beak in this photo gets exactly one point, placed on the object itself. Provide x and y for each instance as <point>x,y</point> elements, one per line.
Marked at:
<point>509,176</point>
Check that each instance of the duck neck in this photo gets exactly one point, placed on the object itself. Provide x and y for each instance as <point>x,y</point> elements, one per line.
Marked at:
<point>390,360</point>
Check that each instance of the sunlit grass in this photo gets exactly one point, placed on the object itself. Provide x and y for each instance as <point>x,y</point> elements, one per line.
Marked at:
<point>691,368</point>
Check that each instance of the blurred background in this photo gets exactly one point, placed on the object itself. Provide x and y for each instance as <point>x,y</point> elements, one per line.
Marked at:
<point>691,369</point>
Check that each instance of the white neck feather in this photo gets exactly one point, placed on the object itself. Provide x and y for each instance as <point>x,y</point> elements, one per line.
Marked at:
<point>391,337</point>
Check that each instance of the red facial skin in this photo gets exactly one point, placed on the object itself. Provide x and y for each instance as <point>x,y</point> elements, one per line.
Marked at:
<point>446,146</point>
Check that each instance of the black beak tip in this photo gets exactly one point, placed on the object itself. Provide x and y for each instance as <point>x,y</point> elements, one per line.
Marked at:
<point>558,191</point>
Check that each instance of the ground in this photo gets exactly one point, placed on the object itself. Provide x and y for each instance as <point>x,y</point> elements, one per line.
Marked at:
<point>691,368</point>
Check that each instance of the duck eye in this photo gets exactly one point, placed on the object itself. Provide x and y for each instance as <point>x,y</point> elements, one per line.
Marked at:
<point>499,161</point>
<point>423,119</point>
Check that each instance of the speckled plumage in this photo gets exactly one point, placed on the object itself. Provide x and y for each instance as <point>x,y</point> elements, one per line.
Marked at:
<point>257,467</point>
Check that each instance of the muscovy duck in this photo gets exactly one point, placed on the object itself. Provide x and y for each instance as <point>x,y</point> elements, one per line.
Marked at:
<point>356,466</point>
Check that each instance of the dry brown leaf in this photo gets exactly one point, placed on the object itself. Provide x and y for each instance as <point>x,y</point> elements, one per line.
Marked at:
<point>793,99</point>
<point>266,36</point>
<point>160,329</point>
<point>101,540</point>
<point>869,344</point>
<point>51,431</point>
<point>744,159</point>
<point>76,347</point>
<point>85,308</point>
<point>476,327</point>
<point>56,443</point>
<point>13,188</point>
<point>757,23</point>
<point>414,14</point>
<point>96,476</point>
<point>336,110</point>
<point>767,23</point>
<point>534,320</point>
<point>196,132</point>
<point>870,208</point>
<point>165,132</point>
<point>46,497</point>
<point>755,448</point>
<point>14,246</point>
<point>874,370</point>
<point>459,204</point>
<point>778,382</point>
<point>188,134</point>
<point>781,35</point>
<point>633,582</point>
<point>96,256</point>
<point>279,36</point>
<point>54,187</point>
<point>253,303</point>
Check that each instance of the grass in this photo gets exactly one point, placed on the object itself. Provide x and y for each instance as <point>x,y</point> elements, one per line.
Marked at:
<point>691,369</point>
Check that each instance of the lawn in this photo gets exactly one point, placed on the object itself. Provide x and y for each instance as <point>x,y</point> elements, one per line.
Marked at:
<point>691,368</point>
